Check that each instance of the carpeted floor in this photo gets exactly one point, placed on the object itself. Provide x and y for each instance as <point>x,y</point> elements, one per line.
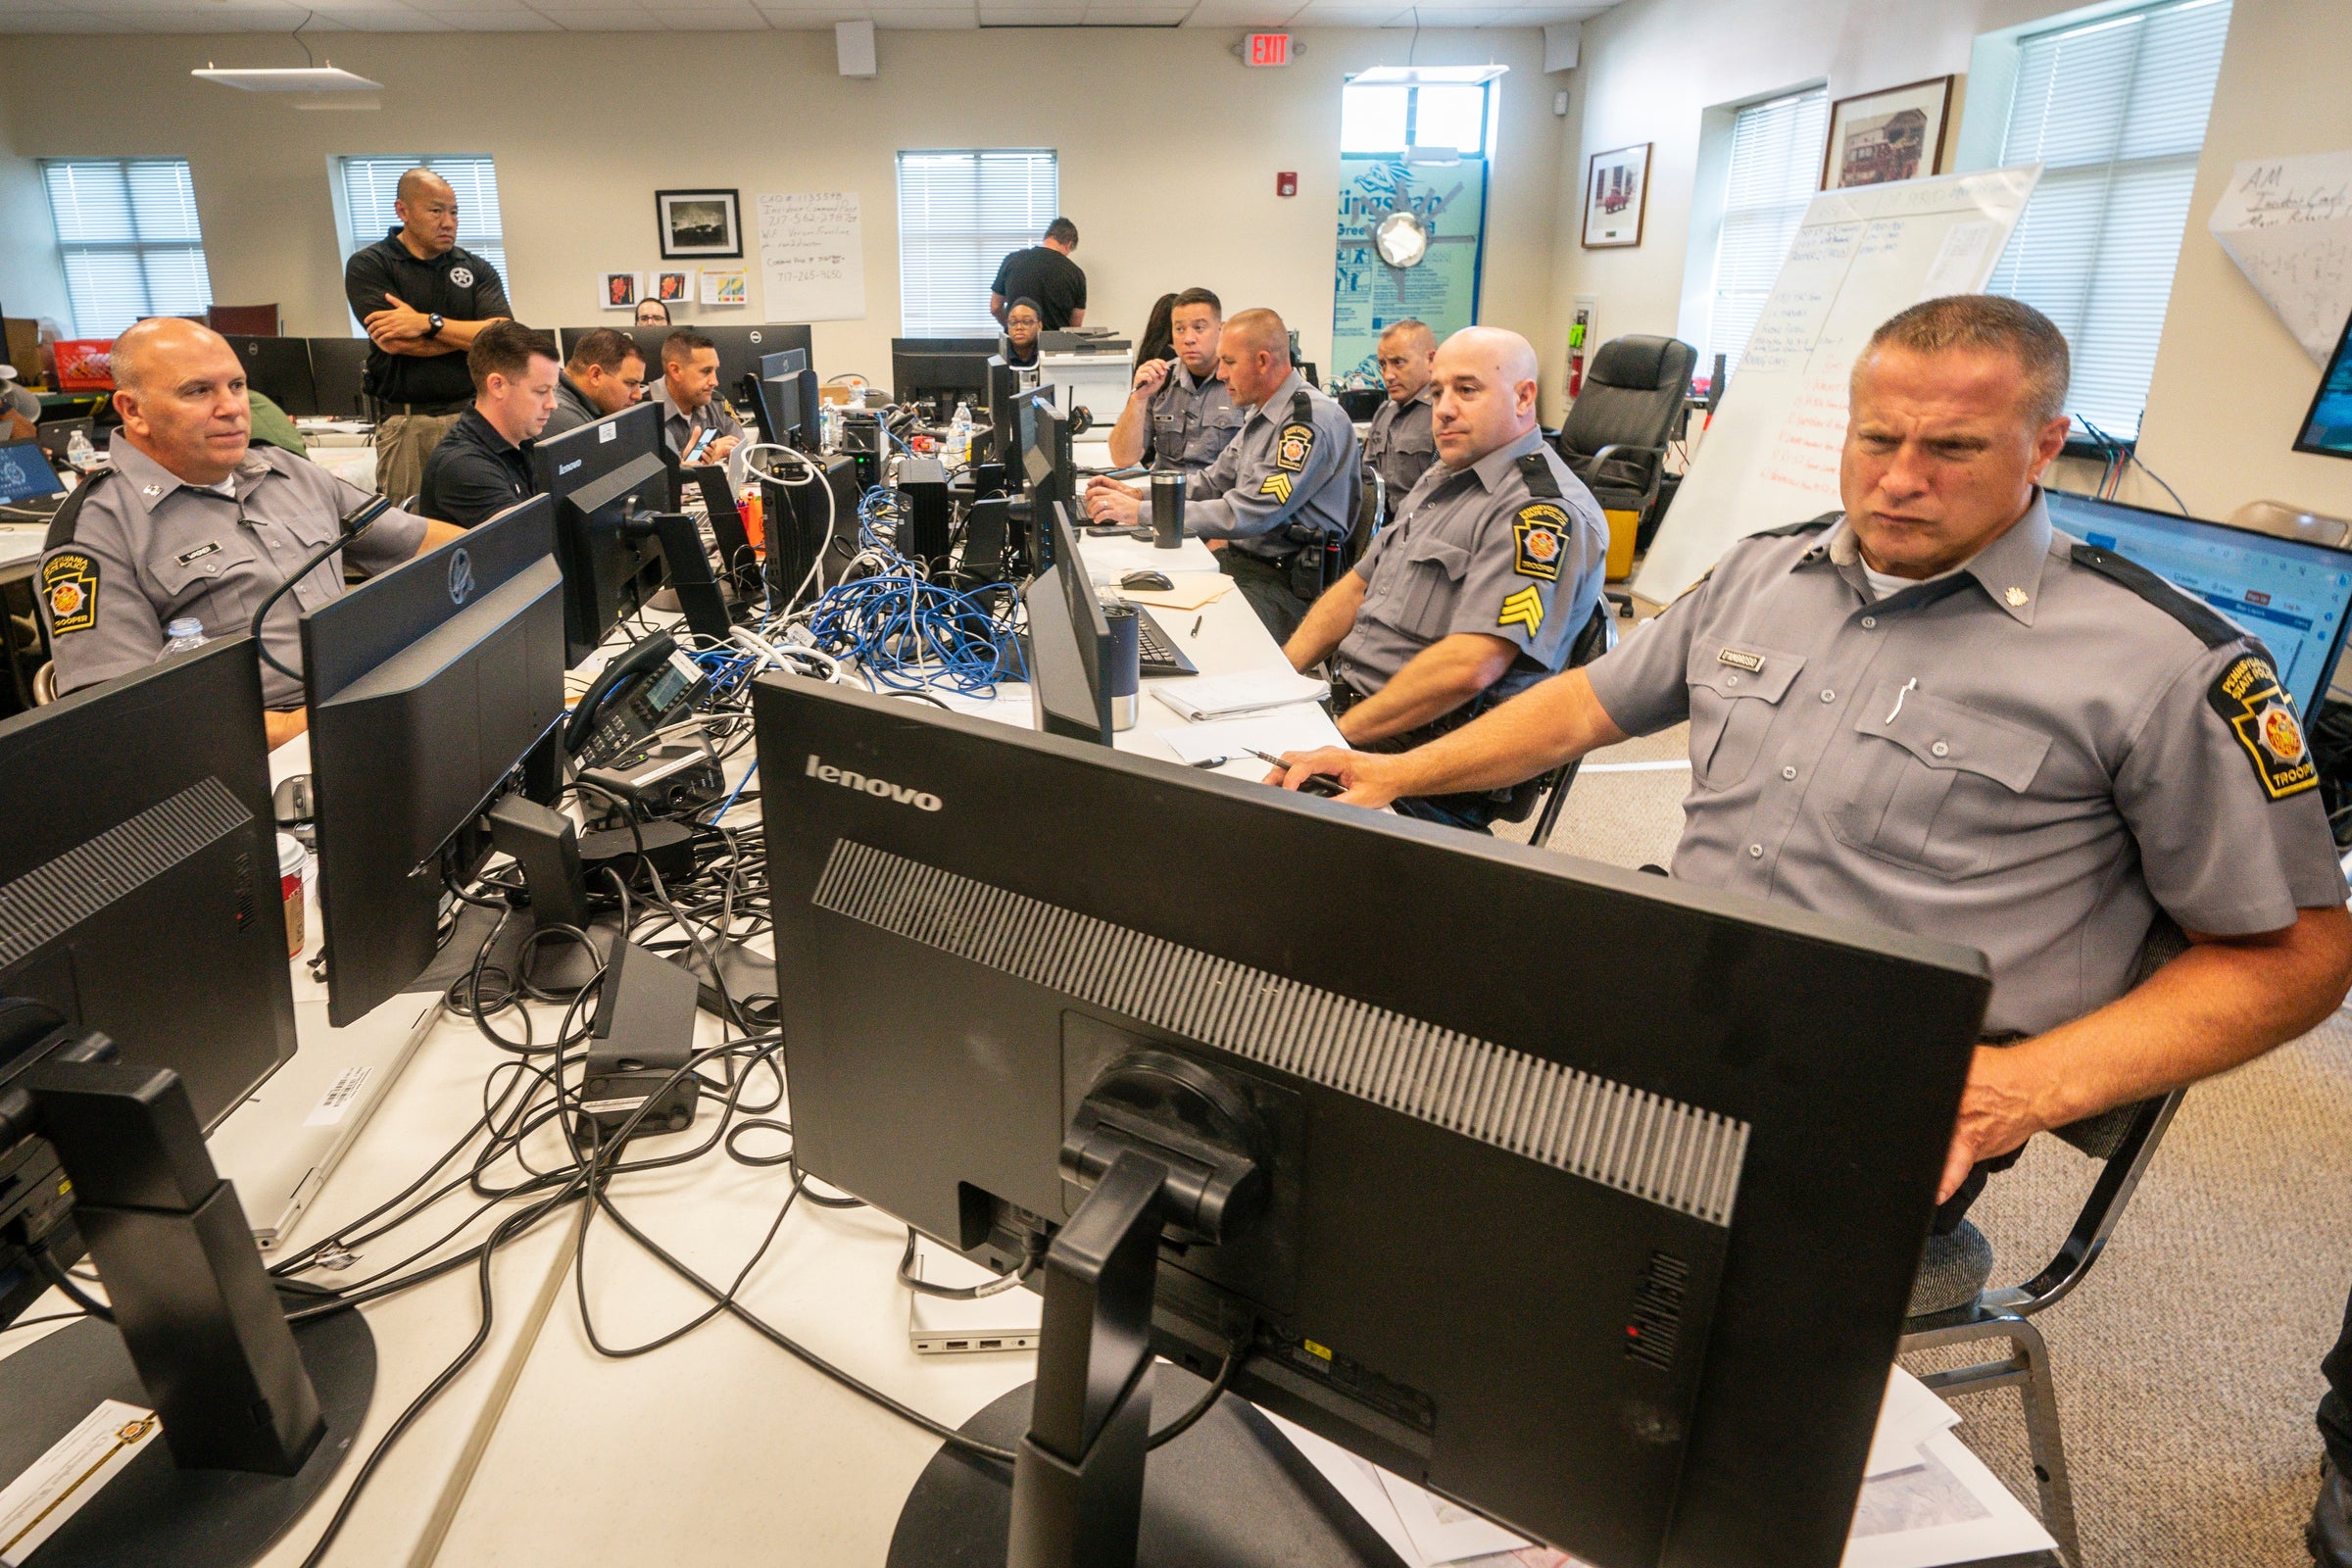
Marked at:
<point>2187,1363</point>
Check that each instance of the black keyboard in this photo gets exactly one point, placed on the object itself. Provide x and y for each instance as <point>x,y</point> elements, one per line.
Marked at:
<point>1159,655</point>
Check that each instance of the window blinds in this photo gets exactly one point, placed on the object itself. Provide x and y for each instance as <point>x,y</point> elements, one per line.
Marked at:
<point>128,235</point>
<point>960,214</point>
<point>1776,165</point>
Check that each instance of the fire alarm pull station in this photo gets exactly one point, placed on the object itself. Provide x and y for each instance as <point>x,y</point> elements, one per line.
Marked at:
<point>1286,184</point>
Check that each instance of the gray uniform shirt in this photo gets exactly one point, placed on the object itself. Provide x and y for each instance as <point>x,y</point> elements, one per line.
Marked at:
<point>1275,473</point>
<point>1475,550</point>
<point>1402,443</point>
<point>138,549</point>
<point>2024,756</point>
<point>679,428</point>
<point>1191,422</point>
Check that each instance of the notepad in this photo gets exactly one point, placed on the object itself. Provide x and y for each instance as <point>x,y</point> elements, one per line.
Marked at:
<point>1228,696</point>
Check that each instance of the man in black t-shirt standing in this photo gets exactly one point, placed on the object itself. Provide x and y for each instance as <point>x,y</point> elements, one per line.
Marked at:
<point>1047,275</point>
<point>421,298</point>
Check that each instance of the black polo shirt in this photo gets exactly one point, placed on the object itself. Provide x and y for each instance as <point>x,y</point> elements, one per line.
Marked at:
<point>456,285</point>
<point>473,474</point>
<point>1045,275</point>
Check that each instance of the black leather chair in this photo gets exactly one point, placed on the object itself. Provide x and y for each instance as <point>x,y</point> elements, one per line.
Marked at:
<point>1616,432</point>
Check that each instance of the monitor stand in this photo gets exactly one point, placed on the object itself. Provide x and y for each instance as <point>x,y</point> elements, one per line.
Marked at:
<point>546,844</point>
<point>257,1414</point>
<point>1167,1145</point>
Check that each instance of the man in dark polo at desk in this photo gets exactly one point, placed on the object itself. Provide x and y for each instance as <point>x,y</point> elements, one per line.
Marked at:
<point>605,375</point>
<point>1934,712</point>
<point>483,465</point>
<point>423,298</point>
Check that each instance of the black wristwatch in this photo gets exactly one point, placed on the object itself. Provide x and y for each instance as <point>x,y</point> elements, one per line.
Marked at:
<point>433,328</point>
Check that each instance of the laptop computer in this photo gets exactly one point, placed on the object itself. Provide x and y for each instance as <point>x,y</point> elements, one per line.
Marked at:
<point>30,489</point>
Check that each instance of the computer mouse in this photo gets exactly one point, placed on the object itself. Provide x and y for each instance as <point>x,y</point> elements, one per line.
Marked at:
<point>1159,582</point>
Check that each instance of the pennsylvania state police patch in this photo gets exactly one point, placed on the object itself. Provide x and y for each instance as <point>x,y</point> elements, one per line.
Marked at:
<point>2250,702</point>
<point>70,588</point>
<point>1294,446</point>
<point>1541,531</point>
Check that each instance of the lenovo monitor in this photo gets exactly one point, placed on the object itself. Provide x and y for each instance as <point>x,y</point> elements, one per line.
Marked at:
<point>426,688</point>
<point>2295,595</point>
<point>1569,1260</point>
<point>601,476</point>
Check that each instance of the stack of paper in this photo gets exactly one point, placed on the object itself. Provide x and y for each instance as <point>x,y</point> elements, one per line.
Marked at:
<point>1229,696</point>
<point>1289,729</point>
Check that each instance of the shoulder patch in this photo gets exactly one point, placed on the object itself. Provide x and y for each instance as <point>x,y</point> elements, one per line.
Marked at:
<point>1294,446</point>
<point>1540,535</point>
<point>2209,626</point>
<point>1790,530</point>
<point>2261,714</point>
<point>70,590</point>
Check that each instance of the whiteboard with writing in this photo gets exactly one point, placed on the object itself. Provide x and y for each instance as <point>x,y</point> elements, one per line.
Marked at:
<point>812,256</point>
<point>2287,224</point>
<point>1770,456</point>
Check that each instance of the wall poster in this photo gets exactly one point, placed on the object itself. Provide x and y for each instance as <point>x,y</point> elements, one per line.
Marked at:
<point>1367,294</point>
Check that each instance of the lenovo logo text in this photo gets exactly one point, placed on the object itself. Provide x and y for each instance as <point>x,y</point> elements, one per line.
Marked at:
<point>880,789</point>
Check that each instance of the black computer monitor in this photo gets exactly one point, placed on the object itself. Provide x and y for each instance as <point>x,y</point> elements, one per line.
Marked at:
<point>25,473</point>
<point>940,373</point>
<point>2328,427</point>
<point>1045,467</point>
<point>785,412</point>
<point>427,687</point>
<point>338,375</point>
<point>600,476</point>
<point>1564,1241</point>
<point>2295,595</point>
<point>279,368</point>
<point>1006,384</point>
<point>139,829</point>
<point>1069,640</point>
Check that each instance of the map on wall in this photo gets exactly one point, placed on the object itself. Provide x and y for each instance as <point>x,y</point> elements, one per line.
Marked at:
<point>1367,294</point>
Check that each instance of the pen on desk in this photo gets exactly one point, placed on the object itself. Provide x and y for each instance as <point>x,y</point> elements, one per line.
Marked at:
<point>1196,631</point>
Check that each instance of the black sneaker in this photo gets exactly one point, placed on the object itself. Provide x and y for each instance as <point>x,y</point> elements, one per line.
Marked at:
<point>2330,1533</point>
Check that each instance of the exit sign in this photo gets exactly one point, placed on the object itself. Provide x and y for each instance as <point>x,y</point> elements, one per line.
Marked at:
<point>1268,49</point>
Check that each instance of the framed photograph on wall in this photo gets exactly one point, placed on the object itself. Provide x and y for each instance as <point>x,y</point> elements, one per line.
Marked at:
<point>620,291</point>
<point>699,222</point>
<point>1876,138</point>
<point>1616,197</point>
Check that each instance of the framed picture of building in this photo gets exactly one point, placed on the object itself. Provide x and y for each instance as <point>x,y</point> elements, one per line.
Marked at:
<point>1876,138</point>
<point>1616,197</point>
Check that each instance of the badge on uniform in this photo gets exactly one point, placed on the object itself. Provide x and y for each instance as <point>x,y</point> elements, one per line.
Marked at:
<point>69,584</point>
<point>1523,609</point>
<point>2250,702</point>
<point>1541,529</point>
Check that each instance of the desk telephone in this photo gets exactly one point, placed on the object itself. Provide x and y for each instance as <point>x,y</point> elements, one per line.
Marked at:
<point>646,688</point>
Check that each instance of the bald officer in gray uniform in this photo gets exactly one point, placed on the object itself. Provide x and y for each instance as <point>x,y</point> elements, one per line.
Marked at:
<point>1283,487</point>
<point>1479,588</point>
<point>195,523</point>
<point>1934,713</point>
<point>1179,414</point>
<point>1402,445</point>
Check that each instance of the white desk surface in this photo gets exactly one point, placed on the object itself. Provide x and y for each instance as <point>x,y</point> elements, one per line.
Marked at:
<point>20,541</point>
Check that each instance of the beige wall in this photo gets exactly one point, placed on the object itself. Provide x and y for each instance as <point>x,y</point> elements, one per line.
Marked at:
<point>1168,152</point>
<point>2232,387</point>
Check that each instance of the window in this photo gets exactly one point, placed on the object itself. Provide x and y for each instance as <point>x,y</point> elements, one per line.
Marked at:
<point>1386,118</point>
<point>2115,110</point>
<point>370,185</point>
<point>1775,166</point>
<point>127,231</point>
<point>960,214</point>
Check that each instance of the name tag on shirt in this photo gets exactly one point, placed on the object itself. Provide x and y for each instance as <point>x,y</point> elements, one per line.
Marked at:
<point>1741,659</point>
<point>199,553</point>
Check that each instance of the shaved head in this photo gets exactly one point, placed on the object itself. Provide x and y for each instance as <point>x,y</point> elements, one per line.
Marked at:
<point>1486,380</point>
<point>1262,332</point>
<point>420,182</point>
<point>1407,358</point>
<point>181,390</point>
<point>1409,334</point>
<point>1253,355</point>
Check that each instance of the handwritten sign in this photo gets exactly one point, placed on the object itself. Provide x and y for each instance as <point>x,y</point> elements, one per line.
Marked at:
<point>812,256</point>
<point>2287,224</point>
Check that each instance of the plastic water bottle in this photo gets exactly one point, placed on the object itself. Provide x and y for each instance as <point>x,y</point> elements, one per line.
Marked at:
<point>959,434</point>
<point>78,451</point>
<point>182,636</point>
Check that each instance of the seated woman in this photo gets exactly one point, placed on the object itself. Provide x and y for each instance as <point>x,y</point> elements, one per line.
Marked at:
<point>1159,341</point>
<point>1023,320</point>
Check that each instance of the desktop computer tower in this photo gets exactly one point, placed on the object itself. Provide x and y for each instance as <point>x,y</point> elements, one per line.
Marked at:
<point>927,533</point>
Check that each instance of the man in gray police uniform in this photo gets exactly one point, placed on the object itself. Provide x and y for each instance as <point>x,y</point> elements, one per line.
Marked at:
<point>1180,414</point>
<point>1934,712</point>
<point>1400,445</point>
<point>194,521</point>
<point>1479,588</point>
<point>1284,488</point>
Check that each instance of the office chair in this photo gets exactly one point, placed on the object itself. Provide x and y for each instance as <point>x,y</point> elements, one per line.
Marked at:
<point>1597,638</point>
<point>1614,438</point>
<point>1951,1304</point>
<point>243,320</point>
<point>1371,516</point>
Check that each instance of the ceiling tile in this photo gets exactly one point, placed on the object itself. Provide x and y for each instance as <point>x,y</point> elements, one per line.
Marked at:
<point>1099,15</point>
<point>1031,16</point>
<point>923,19</point>
<point>605,20</point>
<point>389,19</point>
<point>732,18</point>
<point>56,22</point>
<point>496,20</point>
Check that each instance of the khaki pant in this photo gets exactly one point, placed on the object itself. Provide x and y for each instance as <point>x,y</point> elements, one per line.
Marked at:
<point>403,441</point>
